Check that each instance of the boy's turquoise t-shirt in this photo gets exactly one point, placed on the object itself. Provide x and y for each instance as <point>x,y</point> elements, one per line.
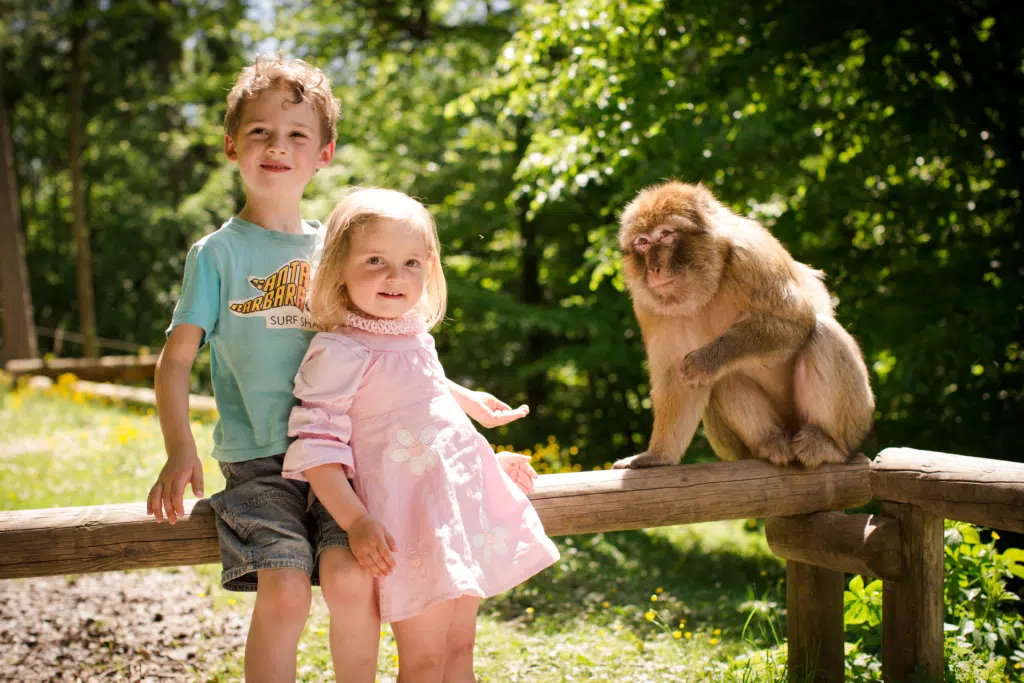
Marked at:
<point>246,286</point>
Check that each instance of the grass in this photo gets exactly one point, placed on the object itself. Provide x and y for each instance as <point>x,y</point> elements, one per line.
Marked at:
<point>695,603</point>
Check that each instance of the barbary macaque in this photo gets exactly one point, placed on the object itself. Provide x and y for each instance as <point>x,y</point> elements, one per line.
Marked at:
<point>737,334</point>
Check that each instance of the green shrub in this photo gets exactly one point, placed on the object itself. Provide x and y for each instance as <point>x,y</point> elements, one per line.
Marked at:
<point>983,627</point>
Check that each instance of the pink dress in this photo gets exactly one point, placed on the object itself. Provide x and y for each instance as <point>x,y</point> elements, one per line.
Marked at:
<point>377,403</point>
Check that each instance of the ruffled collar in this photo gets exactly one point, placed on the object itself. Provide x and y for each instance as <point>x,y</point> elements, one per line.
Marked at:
<point>410,323</point>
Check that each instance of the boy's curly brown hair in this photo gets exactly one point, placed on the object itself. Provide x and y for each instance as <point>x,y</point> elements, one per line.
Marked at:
<point>306,82</point>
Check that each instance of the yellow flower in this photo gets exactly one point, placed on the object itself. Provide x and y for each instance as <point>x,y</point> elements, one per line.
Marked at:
<point>995,536</point>
<point>650,614</point>
<point>231,601</point>
<point>319,631</point>
<point>617,627</point>
<point>677,634</point>
<point>688,635</point>
<point>603,604</point>
<point>573,450</point>
<point>717,632</point>
<point>529,610</point>
<point>713,641</point>
<point>682,623</point>
<point>654,598</point>
<point>659,590</point>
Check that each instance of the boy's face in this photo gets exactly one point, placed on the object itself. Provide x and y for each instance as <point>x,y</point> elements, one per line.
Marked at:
<point>386,269</point>
<point>277,146</point>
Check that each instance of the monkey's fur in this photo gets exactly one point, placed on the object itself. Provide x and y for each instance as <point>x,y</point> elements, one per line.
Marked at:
<point>739,334</point>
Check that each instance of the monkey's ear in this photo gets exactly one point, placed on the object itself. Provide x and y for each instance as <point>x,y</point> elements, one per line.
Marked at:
<point>704,198</point>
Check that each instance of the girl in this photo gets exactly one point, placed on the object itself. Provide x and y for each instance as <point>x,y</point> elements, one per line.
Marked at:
<point>432,515</point>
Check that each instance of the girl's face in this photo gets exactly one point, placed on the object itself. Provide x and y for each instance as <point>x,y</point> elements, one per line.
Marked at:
<point>387,267</point>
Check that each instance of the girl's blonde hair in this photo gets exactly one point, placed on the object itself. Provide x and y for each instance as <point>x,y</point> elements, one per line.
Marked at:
<point>329,302</point>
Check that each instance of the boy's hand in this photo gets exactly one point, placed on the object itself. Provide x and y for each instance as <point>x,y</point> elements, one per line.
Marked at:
<point>372,546</point>
<point>167,497</point>
<point>519,470</point>
<point>490,412</point>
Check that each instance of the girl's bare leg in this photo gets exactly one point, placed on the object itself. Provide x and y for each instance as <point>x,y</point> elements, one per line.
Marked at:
<point>283,597</point>
<point>423,644</point>
<point>351,596</point>
<point>458,663</point>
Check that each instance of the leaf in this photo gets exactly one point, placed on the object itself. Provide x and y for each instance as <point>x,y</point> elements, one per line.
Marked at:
<point>971,535</point>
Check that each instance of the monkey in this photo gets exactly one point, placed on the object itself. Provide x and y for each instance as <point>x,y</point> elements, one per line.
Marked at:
<point>738,335</point>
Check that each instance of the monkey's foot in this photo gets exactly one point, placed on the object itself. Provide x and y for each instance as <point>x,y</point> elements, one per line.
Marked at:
<point>776,449</point>
<point>813,447</point>
<point>635,462</point>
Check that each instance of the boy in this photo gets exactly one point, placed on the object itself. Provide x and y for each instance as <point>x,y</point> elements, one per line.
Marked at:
<point>244,293</point>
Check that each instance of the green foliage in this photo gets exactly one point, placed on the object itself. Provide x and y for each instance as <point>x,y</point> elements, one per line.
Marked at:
<point>876,141</point>
<point>983,624</point>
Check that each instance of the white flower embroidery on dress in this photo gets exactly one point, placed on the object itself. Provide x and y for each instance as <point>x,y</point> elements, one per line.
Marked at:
<point>417,452</point>
<point>416,560</point>
<point>491,540</point>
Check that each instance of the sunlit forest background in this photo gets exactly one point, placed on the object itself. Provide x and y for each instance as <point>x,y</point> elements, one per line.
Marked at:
<point>879,140</point>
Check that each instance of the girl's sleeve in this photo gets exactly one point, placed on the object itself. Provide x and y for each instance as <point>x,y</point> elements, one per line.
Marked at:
<point>325,385</point>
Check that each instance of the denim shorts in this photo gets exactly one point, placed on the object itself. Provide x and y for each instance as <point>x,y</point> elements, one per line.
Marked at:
<point>265,521</point>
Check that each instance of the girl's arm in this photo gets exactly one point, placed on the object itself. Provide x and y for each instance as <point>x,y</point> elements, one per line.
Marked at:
<point>370,543</point>
<point>485,408</point>
<point>321,454</point>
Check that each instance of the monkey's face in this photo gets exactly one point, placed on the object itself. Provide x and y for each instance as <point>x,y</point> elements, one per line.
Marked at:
<point>672,255</point>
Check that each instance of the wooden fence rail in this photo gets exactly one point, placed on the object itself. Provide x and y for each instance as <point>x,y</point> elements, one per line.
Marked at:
<point>903,545</point>
<point>115,537</point>
<point>103,369</point>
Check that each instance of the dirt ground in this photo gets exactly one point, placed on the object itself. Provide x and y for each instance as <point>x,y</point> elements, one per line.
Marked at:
<point>119,626</point>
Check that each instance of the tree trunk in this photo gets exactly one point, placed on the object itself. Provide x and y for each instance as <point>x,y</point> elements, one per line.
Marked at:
<point>530,286</point>
<point>19,327</point>
<point>76,127</point>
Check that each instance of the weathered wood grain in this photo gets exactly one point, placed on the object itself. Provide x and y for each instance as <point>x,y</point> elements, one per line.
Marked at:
<point>976,490</point>
<point>814,623</point>
<point>912,609</point>
<point>103,369</point>
<point>109,537</point>
<point>858,544</point>
<point>141,396</point>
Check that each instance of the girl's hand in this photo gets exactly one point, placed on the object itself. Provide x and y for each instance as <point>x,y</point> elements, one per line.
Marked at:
<point>372,546</point>
<point>490,412</point>
<point>519,470</point>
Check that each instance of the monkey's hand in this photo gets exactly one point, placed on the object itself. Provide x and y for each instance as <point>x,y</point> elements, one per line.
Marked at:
<point>635,462</point>
<point>699,368</point>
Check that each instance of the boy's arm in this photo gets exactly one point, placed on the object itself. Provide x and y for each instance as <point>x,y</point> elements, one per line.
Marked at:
<point>490,412</point>
<point>485,408</point>
<point>173,368</point>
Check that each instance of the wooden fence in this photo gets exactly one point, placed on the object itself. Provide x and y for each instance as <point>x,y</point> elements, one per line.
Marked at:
<point>805,525</point>
<point>103,369</point>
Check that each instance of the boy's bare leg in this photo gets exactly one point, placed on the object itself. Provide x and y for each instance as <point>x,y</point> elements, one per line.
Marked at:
<point>458,664</point>
<point>351,596</point>
<point>423,643</point>
<point>283,597</point>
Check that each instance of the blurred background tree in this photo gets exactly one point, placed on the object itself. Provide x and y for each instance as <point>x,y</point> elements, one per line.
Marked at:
<point>879,142</point>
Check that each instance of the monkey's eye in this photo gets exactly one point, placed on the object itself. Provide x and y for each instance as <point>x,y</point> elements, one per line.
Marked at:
<point>641,242</point>
<point>667,236</point>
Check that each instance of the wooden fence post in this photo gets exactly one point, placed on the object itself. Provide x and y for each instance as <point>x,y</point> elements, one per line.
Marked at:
<point>912,607</point>
<point>814,623</point>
